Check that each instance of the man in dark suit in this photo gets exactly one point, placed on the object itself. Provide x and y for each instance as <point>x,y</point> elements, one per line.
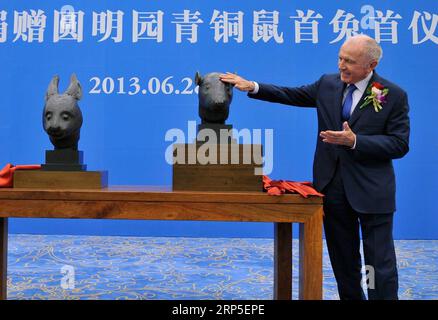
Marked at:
<point>363,124</point>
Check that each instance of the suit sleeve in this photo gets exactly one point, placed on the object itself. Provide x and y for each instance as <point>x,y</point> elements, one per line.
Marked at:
<point>394,143</point>
<point>304,96</point>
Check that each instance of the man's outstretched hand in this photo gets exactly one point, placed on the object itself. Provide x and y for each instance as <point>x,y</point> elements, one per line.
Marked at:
<point>237,81</point>
<point>346,137</point>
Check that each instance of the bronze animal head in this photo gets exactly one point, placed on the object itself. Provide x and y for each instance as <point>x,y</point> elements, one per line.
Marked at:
<point>215,98</point>
<point>62,117</point>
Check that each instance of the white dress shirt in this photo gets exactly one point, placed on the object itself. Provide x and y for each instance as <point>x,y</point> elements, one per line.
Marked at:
<point>357,94</point>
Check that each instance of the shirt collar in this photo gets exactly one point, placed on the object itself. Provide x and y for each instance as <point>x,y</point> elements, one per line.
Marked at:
<point>362,84</point>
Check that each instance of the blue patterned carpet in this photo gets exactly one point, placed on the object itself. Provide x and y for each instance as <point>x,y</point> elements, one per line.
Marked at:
<point>178,268</point>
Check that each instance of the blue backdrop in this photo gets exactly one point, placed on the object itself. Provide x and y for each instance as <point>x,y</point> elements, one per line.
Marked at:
<point>136,61</point>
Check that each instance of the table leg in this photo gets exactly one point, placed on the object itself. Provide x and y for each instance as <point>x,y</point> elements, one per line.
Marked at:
<point>3,257</point>
<point>283,261</point>
<point>311,258</point>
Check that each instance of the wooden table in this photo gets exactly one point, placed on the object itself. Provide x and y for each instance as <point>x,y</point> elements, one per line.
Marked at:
<point>152,203</point>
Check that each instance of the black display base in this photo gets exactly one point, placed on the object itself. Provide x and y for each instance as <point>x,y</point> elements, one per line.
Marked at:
<point>64,160</point>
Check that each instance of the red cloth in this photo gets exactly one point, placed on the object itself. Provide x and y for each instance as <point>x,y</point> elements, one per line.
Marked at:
<point>279,187</point>
<point>7,173</point>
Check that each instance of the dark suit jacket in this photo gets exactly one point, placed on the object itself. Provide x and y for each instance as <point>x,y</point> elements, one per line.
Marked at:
<point>367,171</point>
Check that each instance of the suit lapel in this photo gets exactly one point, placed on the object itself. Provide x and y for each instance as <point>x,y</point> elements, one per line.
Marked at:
<point>358,111</point>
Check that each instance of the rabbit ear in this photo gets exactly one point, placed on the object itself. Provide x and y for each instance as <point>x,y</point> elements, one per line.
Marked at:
<point>53,87</point>
<point>74,89</point>
<point>198,78</point>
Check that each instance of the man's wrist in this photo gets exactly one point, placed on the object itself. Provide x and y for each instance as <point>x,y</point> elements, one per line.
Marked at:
<point>256,88</point>
<point>354,144</point>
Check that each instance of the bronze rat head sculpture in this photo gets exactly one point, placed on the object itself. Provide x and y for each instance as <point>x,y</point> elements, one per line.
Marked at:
<point>214,98</point>
<point>62,118</point>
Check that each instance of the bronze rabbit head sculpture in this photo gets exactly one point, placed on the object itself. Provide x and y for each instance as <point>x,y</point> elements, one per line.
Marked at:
<point>62,117</point>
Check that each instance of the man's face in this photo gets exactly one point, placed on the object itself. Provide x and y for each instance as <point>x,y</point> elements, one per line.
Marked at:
<point>352,63</point>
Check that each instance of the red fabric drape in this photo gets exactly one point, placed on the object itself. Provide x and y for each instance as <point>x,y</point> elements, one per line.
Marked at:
<point>7,173</point>
<point>279,187</point>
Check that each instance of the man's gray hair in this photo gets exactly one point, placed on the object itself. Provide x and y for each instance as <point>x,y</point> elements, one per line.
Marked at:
<point>372,49</point>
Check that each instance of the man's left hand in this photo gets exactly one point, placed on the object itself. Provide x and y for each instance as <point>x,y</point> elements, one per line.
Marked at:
<point>345,137</point>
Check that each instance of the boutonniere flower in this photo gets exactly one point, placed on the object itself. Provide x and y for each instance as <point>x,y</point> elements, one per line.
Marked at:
<point>376,94</point>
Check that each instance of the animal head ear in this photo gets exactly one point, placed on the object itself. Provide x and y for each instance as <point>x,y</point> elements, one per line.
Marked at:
<point>74,89</point>
<point>53,87</point>
<point>198,78</point>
